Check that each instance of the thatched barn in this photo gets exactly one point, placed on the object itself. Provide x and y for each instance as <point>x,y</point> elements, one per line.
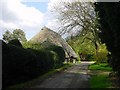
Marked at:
<point>46,36</point>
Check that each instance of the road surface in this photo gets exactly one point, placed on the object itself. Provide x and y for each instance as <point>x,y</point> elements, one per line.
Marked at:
<point>73,77</point>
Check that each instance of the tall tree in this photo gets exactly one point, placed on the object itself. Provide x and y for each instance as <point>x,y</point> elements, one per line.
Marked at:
<point>19,34</point>
<point>78,16</point>
<point>7,36</point>
<point>16,34</point>
<point>109,14</point>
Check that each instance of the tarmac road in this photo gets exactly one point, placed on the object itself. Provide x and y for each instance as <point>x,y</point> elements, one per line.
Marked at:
<point>73,77</point>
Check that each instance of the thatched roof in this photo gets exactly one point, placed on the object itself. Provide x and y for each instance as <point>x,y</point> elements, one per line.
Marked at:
<point>48,36</point>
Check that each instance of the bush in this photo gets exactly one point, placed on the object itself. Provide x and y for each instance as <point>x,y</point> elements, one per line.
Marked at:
<point>101,55</point>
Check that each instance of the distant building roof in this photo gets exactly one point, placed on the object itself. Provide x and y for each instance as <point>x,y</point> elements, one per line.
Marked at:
<point>47,35</point>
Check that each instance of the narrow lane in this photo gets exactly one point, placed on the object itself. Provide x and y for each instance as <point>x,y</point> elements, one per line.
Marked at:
<point>74,77</point>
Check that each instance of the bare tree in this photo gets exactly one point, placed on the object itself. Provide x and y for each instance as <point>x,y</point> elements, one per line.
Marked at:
<point>78,16</point>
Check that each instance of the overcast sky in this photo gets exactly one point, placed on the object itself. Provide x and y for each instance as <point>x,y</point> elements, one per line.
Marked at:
<point>28,15</point>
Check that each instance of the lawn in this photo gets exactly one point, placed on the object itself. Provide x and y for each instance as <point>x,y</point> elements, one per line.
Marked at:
<point>99,76</point>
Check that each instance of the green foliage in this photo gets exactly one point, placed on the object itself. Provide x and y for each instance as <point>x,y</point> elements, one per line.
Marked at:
<point>18,64</point>
<point>99,77</point>
<point>101,66</point>
<point>44,60</point>
<point>19,34</point>
<point>22,64</point>
<point>100,81</point>
<point>87,48</point>
<point>79,46</point>
<point>58,54</point>
<point>16,34</point>
<point>55,58</point>
<point>7,36</point>
<point>101,55</point>
<point>54,53</point>
<point>36,46</point>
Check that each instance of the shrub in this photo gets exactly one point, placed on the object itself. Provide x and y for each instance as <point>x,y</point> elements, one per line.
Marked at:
<point>101,55</point>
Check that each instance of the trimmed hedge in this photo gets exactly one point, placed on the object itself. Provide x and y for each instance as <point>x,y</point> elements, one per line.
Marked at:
<point>15,42</point>
<point>18,65</point>
<point>21,64</point>
<point>58,54</point>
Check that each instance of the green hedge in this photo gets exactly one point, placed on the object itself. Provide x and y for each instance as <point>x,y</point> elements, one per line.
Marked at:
<point>21,64</point>
<point>15,42</point>
<point>58,54</point>
<point>18,65</point>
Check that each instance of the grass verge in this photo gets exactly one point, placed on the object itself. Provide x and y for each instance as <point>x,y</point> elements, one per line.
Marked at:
<point>99,75</point>
<point>100,81</point>
<point>101,66</point>
<point>38,80</point>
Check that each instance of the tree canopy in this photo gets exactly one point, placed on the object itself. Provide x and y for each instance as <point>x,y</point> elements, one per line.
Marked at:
<point>78,18</point>
<point>7,36</point>
<point>75,16</point>
<point>16,34</point>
